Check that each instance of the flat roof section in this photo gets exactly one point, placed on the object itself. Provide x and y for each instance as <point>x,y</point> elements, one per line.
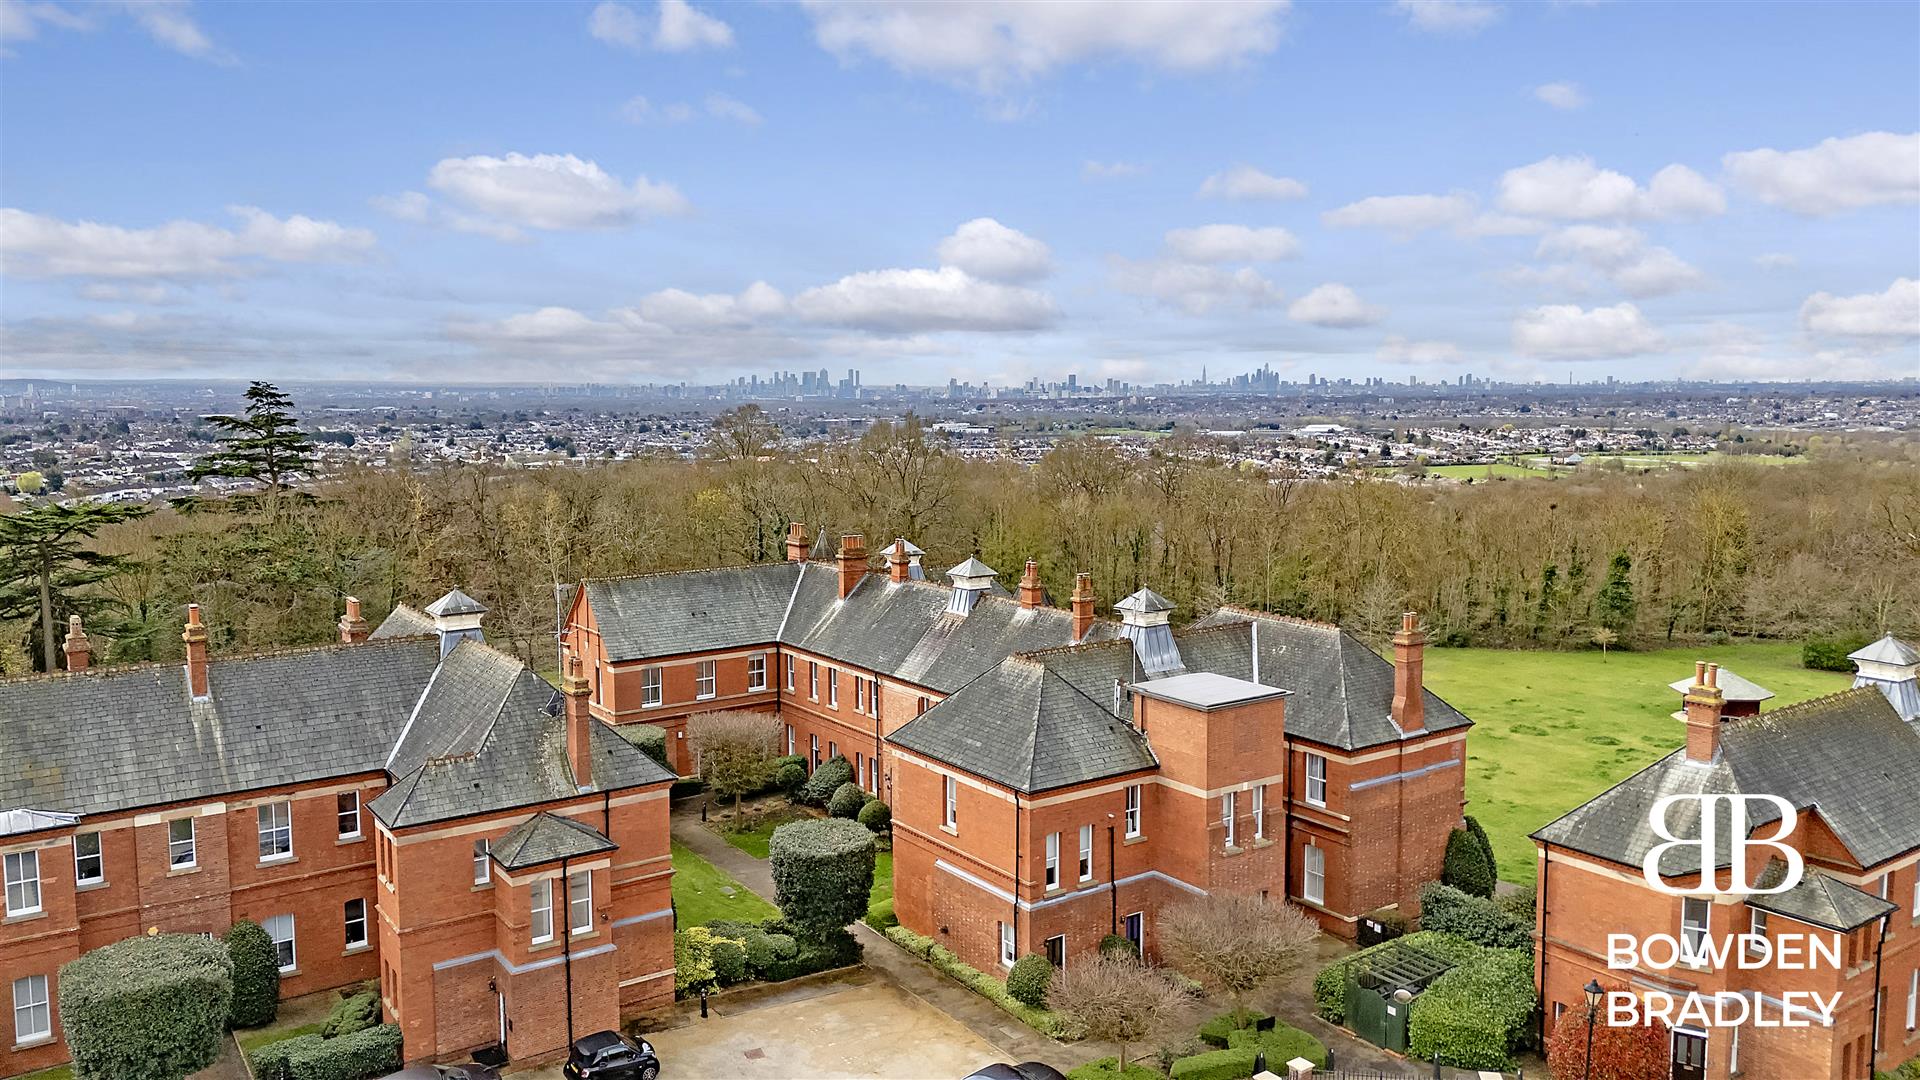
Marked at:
<point>1207,691</point>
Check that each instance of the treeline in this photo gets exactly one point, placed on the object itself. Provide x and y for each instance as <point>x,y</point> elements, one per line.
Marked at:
<point>1828,546</point>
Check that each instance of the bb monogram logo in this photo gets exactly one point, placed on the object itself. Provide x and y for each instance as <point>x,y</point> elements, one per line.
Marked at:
<point>1708,843</point>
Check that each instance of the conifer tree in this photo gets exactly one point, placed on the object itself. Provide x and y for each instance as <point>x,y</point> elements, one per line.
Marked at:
<point>45,566</point>
<point>264,445</point>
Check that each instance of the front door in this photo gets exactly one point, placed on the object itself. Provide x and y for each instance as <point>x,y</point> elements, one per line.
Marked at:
<point>1689,1055</point>
<point>1136,930</point>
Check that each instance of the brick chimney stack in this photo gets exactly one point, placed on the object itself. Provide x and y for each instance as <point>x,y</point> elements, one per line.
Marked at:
<point>1031,594</point>
<point>353,628</point>
<point>797,546</point>
<point>1409,660</point>
<point>575,686</point>
<point>898,567</point>
<point>1703,704</point>
<point>1082,605</point>
<point>852,562</point>
<point>196,638</point>
<point>79,650</point>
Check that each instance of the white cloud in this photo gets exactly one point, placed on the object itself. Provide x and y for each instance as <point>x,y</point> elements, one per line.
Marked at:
<point>1448,16</point>
<point>680,309</point>
<point>994,44</point>
<point>135,294</point>
<point>728,108</point>
<point>1568,332</point>
<point>1404,214</point>
<point>1232,243</point>
<point>34,245</point>
<point>1561,95</point>
<point>1194,288</point>
<point>167,22</point>
<point>677,27</point>
<point>640,110</point>
<point>1775,260</point>
<point>1110,170</point>
<point>1247,182</point>
<point>987,249</point>
<point>913,301</point>
<point>1398,350</point>
<point>418,209</point>
<point>1336,305</point>
<point>1874,169</point>
<point>1893,314</point>
<point>1575,188</point>
<point>21,20</point>
<point>1623,255</point>
<point>551,191</point>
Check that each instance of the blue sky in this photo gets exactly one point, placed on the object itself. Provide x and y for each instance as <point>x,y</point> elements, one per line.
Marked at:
<point>639,191</point>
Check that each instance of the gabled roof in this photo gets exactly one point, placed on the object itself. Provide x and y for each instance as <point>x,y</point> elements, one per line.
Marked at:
<point>456,603</point>
<point>545,838</point>
<point>1888,650</point>
<point>1819,898</point>
<point>687,611</point>
<point>403,621</point>
<point>1732,687</point>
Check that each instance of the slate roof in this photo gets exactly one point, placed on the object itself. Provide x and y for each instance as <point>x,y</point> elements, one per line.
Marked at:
<point>686,611</point>
<point>545,838</point>
<point>1819,898</point>
<point>117,738</point>
<point>456,602</point>
<point>1145,601</point>
<point>1847,756</point>
<point>1732,687</point>
<point>1888,650</point>
<point>403,621</point>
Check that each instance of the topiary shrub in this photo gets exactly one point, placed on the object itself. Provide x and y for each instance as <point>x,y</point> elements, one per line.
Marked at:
<point>650,739</point>
<point>836,950</point>
<point>1118,945</point>
<point>1477,1015</point>
<point>693,960</point>
<point>1281,1045</point>
<point>269,1062</point>
<point>729,960</point>
<point>825,780</point>
<point>1447,910</point>
<point>372,1052</point>
<point>1466,867</point>
<point>822,874</point>
<point>1215,1032</point>
<point>351,1014</point>
<point>148,1008</point>
<point>790,778</point>
<point>256,975</point>
<point>846,801</point>
<point>1108,1068</point>
<point>880,916</point>
<point>1028,981</point>
<point>1486,848</point>
<point>876,816</point>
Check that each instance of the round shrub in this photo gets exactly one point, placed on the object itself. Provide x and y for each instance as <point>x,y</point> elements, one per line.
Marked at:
<point>256,975</point>
<point>1117,945</point>
<point>729,961</point>
<point>759,950</point>
<point>693,960</point>
<point>1028,981</point>
<point>790,777</point>
<point>847,801</point>
<point>783,945</point>
<point>148,1008</point>
<point>351,1014</point>
<point>822,874</point>
<point>876,816</point>
<point>826,780</point>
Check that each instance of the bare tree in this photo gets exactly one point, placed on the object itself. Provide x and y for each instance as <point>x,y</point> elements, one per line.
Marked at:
<point>1116,998</point>
<point>735,750</point>
<point>1234,944</point>
<point>1603,637</point>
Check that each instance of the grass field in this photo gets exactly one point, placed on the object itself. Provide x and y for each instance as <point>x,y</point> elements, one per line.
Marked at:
<point>1553,729</point>
<point>700,896</point>
<point>882,882</point>
<point>1498,470</point>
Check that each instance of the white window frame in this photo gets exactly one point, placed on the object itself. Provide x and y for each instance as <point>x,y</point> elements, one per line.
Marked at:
<point>22,874</point>
<point>1916,894</point>
<point>176,846</point>
<point>833,688</point>
<point>952,818</point>
<point>813,752</point>
<point>789,740</point>
<point>1086,853</point>
<point>1053,860</point>
<point>482,862</point>
<point>1135,795</point>
<point>540,911</point>
<point>1139,918</point>
<point>1259,813</point>
<point>873,775</point>
<point>340,815</point>
<point>32,995</point>
<point>859,694</point>
<point>833,749</point>
<point>653,683</point>
<point>1756,930</point>
<point>1319,780</point>
<point>704,683</point>
<point>1006,944</point>
<point>81,876</point>
<point>792,663</point>
<point>348,920</point>
<point>873,698</point>
<point>1913,998</point>
<point>1313,881</point>
<point>270,924</point>
<point>757,671</point>
<point>1047,950</point>
<point>580,902</point>
<point>1227,809</point>
<point>275,821</point>
<point>813,680</point>
<point>1694,936</point>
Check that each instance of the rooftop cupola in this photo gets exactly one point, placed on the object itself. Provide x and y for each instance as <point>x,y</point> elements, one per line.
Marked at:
<point>456,617</point>
<point>971,580</point>
<point>1892,667</point>
<point>1144,621</point>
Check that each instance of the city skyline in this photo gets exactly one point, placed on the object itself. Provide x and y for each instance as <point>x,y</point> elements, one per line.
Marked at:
<point>664,193</point>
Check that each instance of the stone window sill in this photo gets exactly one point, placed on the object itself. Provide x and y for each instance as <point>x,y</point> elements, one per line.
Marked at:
<point>345,840</point>
<point>1263,843</point>
<point>1137,838</point>
<point>1230,850</point>
<point>950,830</point>
<point>288,973</point>
<point>543,946</point>
<point>25,916</point>
<point>585,935</point>
<point>355,950</point>
<point>181,871</point>
<point>89,886</point>
<point>36,1041</point>
<point>481,887</point>
<point>278,860</point>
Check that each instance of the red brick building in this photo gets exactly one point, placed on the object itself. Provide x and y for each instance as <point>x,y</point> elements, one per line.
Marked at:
<point>1055,776</point>
<point>1849,766</point>
<point>407,805</point>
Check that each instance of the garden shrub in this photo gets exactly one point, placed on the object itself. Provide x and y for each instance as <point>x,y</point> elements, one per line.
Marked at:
<point>942,958</point>
<point>1830,654</point>
<point>1215,1065</point>
<point>256,975</point>
<point>1281,1045</point>
<point>1476,1015</point>
<point>1466,867</point>
<point>789,777</point>
<point>729,960</point>
<point>692,960</point>
<point>846,801</point>
<point>785,760</point>
<point>685,786</point>
<point>1117,945</point>
<point>1108,1068</point>
<point>825,780</point>
<point>154,1006</point>
<point>351,1014</point>
<point>876,816</point>
<point>837,950</point>
<point>372,1052</point>
<point>880,916</point>
<point>822,874</point>
<point>783,945</point>
<point>1486,848</point>
<point>1215,1031</point>
<point>270,1061</point>
<point>1028,981</point>
<point>1330,986</point>
<point>651,740</point>
<point>1447,910</point>
<point>1518,903</point>
<point>919,945</point>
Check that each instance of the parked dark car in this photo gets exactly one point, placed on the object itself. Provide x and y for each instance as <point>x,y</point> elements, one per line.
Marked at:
<point>469,1071</point>
<point>1026,1070</point>
<point>609,1055</point>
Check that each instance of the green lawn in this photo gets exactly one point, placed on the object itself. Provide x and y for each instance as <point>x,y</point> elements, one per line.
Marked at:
<point>698,896</point>
<point>882,882</point>
<point>58,1072</point>
<point>1499,470</point>
<point>254,1038</point>
<point>1552,729</point>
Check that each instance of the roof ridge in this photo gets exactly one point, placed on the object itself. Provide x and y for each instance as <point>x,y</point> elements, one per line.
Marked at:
<point>1073,646</point>
<point>137,666</point>
<point>1274,616</point>
<point>1788,711</point>
<point>614,578</point>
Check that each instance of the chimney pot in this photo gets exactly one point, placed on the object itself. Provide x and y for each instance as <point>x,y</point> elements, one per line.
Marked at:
<point>898,567</point>
<point>852,562</point>
<point>195,637</point>
<point>79,650</point>
<point>353,628</point>
<point>1081,604</point>
<point>797,546</point>
<point>1031,591</point>
<point>1704,704</point>
<point>1409,663</point>
<point>574,684</point>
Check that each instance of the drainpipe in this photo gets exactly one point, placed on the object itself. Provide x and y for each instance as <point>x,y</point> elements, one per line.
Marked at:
<point>1016,878</point>
<point>1546,871</point>
<point>566,941</point>
<point>1113,883</point>
<point>1873,1048</point>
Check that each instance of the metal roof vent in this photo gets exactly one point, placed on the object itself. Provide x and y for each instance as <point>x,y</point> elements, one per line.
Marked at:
<point>1143,621</point>
<point>456,617</point>
<point>971,580</point>
<point>1892,667</point>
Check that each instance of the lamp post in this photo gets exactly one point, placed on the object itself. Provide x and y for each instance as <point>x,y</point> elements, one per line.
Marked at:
<point>1593,991</point>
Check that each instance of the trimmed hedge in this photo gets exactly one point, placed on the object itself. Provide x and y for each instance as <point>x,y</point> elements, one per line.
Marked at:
<point>1217,1031</point>
<point>1908,1071</point>
<point>729,959</point>
<point>153,1007</point>
<point>1108,1068</point>
<point>880,916</point>
<point>1518,903</point>
<point>1447,910</point>
<point>1830,654</point>
<point>1281,1045</point>
<point>822,873</point>
<point>256,975</point>
<point>825,780</point>
<point>876,816</point>
<point>351,1014</point>
<point>1478,1014</point>
<point>1330,986</point>
<point>790,778</point>
<point>1028,981</point>
<point>651,740</point>
<point>1466,867</point>
<point>270,1061</point>
<point>942,958</point>
<point>693,960</point>
<point>846,801</point>
<point>363,1054</point>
